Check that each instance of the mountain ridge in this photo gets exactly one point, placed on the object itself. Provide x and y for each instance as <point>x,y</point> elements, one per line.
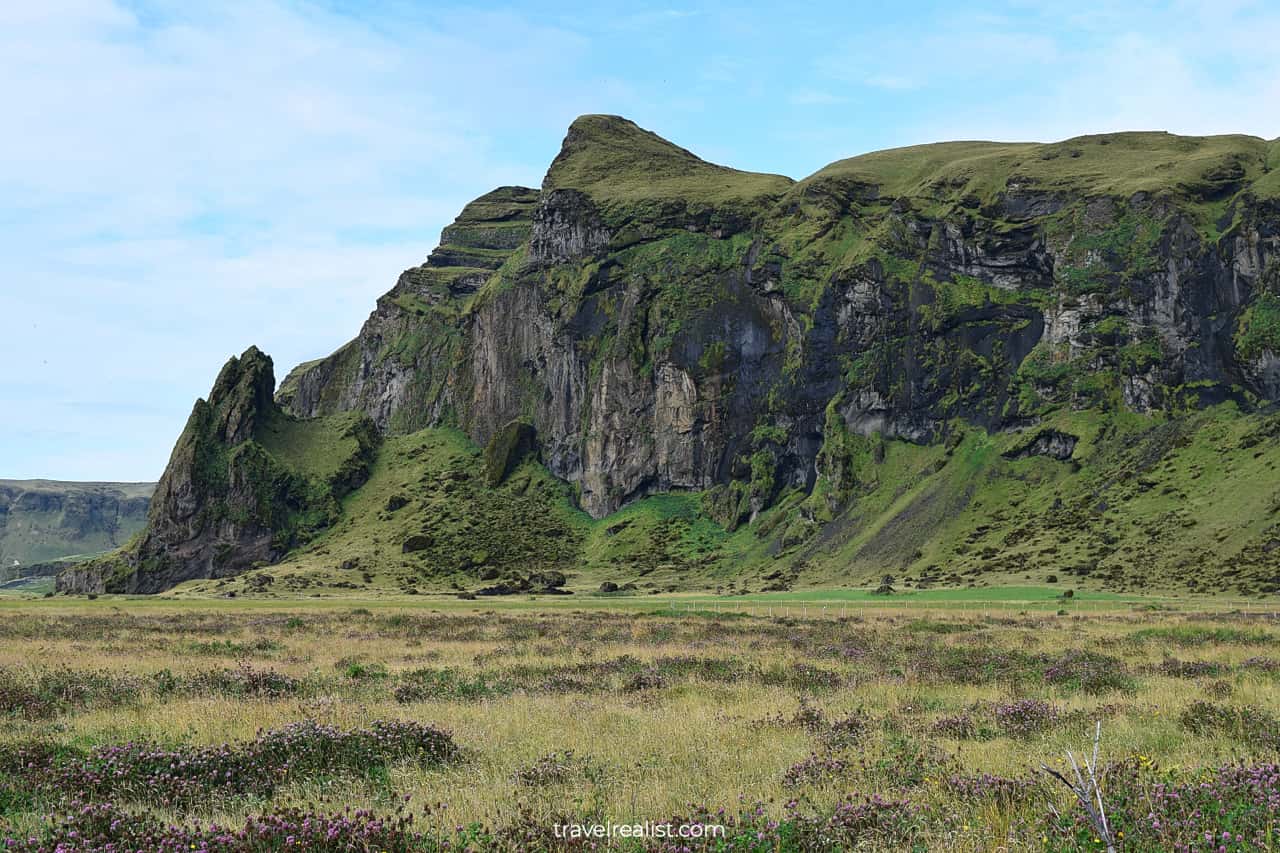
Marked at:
<point>811,361</point>
<point>43,522</point>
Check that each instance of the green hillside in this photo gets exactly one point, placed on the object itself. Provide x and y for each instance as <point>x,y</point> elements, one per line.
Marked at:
<point>961,364</point>
<point>1182,504</point>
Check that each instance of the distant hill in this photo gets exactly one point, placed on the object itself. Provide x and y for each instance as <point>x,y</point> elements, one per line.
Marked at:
<point>45,521</point>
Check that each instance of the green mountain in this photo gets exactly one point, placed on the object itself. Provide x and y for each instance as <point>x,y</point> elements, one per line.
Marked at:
<point>43,522</point>
<point>962,363</point>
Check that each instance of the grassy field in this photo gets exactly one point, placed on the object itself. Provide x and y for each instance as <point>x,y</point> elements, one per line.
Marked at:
<point>816,721</point>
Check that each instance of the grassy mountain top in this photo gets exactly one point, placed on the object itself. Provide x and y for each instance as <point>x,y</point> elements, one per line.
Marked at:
<point>611,159</point>
<point>503,204</point>
<point>48,520</point>
<point>127,490</point>
<point>1116,164</point>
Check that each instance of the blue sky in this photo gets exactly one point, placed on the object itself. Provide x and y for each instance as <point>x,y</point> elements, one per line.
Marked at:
<point>180,180</point>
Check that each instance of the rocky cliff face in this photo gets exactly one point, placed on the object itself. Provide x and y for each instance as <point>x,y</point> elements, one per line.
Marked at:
<point>42,521</point>
<point>665,324</point>
<point>396,370</point>
<point>234,493</point>
<point>675,325</point>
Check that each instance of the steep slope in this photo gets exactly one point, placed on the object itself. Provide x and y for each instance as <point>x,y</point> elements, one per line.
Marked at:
<point>43,521</point>
<point>395,369</point>
<point>851,373</point>
<point>245,483</point>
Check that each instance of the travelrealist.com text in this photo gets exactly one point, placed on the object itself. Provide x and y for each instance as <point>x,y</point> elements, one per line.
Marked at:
<point>645,829</point>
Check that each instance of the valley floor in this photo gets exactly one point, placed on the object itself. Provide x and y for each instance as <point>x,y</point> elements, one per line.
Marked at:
<point>801,721</point>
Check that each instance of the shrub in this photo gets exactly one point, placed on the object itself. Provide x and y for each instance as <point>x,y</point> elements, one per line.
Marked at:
<point>1090,672</point>
<point>1197,635</point>
<point>1246,724</point>
<point>650,679</point>
<point>449,683</point>
<point>1232,808</point>
<point>46,692</point>
<point>555,768</point>
<point>1190,668</point>
<point>958,726</point>
<point>358,671</point>
<point>844,732</point>
<point>186,775</point>
<point>977,664</point>
<point>1026,717</point>
<point>817,768</point>
<point>106,828</point>
<point>986,786</point>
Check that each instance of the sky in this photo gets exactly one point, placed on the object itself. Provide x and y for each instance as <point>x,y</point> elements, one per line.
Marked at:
<point>180,180</point>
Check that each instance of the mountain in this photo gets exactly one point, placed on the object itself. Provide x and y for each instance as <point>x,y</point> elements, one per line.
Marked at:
<point>43,522</point>
<point>961,363</point>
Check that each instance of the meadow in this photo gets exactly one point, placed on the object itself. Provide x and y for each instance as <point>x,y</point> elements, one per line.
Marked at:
<point>814,721</point>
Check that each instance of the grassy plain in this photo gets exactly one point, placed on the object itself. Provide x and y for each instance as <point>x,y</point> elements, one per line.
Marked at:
<point>939,705</point>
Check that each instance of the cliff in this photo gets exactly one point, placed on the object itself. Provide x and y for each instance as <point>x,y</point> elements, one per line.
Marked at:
<point>44,521</point>
<point>666,325</point>
<point>663,307</point>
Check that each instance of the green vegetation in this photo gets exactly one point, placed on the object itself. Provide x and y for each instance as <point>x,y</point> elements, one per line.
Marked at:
<point>1258,330</point>
<point>45,520</point>
<point>616,163</point>
<point>1112,164</point>
<point>1140,502</point>
<point>324,448</point>
<point>953,364</point>
<point>965,293</point>
<point>1268,186</point>
<point>934,712</point>
<point>426,517</point>
<point>507,449</point>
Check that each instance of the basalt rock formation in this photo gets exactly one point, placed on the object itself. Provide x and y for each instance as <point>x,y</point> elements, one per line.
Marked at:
<point>236,492</point>
<point>659,324</point>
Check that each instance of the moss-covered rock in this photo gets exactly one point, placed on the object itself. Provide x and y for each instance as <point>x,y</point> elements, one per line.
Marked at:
<point>510,446</point>
<point>226,502</point>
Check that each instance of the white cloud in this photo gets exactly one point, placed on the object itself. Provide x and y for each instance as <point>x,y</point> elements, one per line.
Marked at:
<point>175,188</point>
<point>894,82</point>
<point>936,53</point>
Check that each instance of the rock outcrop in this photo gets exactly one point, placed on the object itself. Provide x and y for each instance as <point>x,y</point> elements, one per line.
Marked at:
<point>666,308</point>
<point>226,501</point>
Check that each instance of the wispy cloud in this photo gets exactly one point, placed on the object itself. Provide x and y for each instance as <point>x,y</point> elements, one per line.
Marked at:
<point>1045,72</point>
<point>176,187</point>
<point>892,82</point>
